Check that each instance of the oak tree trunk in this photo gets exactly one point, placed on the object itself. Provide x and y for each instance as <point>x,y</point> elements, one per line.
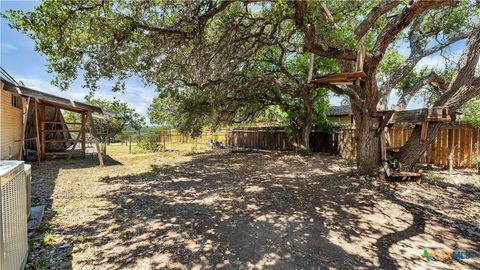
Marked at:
<point>302,136</point>
<point>367,144</point>
<point>308,123</point>
<point>413,149</point>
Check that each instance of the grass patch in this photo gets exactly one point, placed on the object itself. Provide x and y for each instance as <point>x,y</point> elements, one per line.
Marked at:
<point>432,179</point>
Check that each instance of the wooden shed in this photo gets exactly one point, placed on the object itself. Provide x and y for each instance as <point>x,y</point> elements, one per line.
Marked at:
<point>32,122</point>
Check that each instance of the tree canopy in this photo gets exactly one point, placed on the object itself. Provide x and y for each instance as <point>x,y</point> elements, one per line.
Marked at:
<point>210,45</point>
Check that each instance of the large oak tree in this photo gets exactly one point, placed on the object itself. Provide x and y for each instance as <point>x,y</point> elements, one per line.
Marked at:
<point>179,43</point>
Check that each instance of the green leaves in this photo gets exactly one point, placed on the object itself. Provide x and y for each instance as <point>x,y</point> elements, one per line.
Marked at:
<point>471,113</point>
<point>119,117</point>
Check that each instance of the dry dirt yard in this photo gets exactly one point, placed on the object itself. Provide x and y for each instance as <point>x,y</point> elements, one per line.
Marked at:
<point>222,210</point>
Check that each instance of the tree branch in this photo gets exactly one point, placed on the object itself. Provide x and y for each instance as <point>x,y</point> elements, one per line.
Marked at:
<point>415,56</point>
<point>463,85</point>
<point>354,97</point>
<point>202,22</point>
<point>400,22</point>
<point>408,93</point>
<point>310,45</point>
<point>375,13</point>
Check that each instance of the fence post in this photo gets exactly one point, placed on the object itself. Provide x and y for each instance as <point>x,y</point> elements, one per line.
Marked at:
<point>130,144</point>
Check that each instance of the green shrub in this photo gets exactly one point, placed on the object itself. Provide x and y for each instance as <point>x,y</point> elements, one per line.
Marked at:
<point>149,143</point>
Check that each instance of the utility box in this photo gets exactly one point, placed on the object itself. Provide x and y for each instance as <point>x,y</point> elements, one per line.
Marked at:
<point>14,199</point>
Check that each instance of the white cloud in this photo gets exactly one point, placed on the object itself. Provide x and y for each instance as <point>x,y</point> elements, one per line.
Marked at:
<point>7,47</point>
<point>135,95</point>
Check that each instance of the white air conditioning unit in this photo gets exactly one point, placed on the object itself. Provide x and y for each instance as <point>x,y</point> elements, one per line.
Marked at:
<point>14,197</point>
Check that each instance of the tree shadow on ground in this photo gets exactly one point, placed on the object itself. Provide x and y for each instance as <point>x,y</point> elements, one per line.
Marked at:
<point>246,211</point>
<point>43,184</point>
<point>218,211</point>
<point>425,210</point>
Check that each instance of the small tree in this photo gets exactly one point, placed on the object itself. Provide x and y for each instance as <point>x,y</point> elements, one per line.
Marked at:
<point>119,116</point>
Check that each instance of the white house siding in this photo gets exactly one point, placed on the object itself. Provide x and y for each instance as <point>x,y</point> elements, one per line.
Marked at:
<point>10,126</point>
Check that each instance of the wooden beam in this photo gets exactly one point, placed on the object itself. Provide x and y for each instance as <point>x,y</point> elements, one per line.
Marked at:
<point>37,129</point>
<point>360,61</point>
<point>450,150</point>
<point>383,146</point>
<point>423,134</point>
<point>82,133</point>
<point>59,122</point>
<point>62,140</point>
<point>44,144</point>
<point>360,58</point>
<point>341,77</point>
<point>29,139</point>
<point>24,126</point>
<point>384,122</point>
<point>62,130</point>
<point>434,114</point>
<point>92,130</point>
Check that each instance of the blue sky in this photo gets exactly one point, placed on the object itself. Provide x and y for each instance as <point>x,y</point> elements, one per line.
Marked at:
<point>19,58</point>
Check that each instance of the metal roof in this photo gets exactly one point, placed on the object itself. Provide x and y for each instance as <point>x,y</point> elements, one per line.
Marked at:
<point>12,86</point>
<point>6,77</point>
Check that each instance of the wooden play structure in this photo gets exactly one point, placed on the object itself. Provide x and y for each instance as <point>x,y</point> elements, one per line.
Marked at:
<point>346,78</point>
<point>43,128</point>
<point>421,117</point>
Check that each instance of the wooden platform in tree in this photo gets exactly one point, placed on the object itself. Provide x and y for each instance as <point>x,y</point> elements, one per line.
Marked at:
<point>341,78</point>
<point>346,78</point>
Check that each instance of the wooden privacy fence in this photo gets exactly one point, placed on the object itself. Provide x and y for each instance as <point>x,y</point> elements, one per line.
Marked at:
<point>461,143</point>
<point>279,140</point>
<point>170,136</point>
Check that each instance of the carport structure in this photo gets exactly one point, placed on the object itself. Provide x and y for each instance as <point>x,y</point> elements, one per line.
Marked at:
<point>44,127</point>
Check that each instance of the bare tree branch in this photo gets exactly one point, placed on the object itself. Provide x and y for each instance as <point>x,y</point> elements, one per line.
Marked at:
<point>415,56</point>
<point>408,93</point>
<point>354,97</point>
<point>400,22</point>
<point>462,87</point>
<point>376,12</point>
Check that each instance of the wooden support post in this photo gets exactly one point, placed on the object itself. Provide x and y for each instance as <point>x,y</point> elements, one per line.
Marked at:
<point>360,61</point>
<point>164,142</point>
<point>383,123</point>
<point>37,129</point>
<point>22,136</point>
<point>450,149</point>
<point>44,144</point>
<point>107,140</point>
<point>82,133</point>
<point>130,144</point>
<point>423,134</point>
<point>383,146</point>
<point>94,135</point>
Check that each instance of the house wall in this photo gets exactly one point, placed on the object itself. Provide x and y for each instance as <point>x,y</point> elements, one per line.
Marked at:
<point>341,120</point>
<point>10,126</point>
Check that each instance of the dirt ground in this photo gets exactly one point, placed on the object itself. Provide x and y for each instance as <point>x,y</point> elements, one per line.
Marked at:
<point>222,210</point>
